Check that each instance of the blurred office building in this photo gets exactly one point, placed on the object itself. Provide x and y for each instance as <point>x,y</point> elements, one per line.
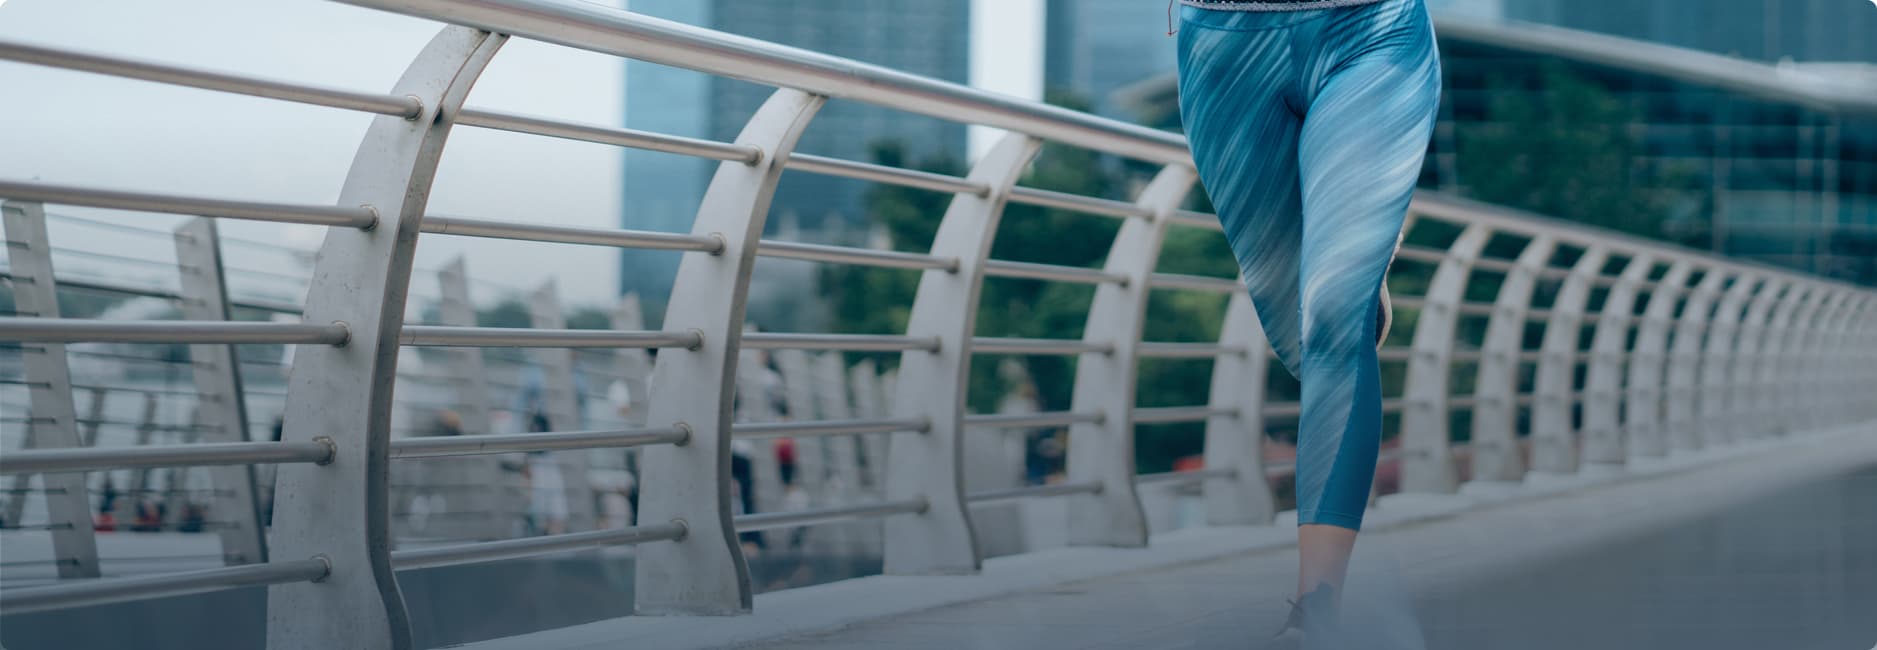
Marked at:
<point>1745,127</point>
<point>662,190</point>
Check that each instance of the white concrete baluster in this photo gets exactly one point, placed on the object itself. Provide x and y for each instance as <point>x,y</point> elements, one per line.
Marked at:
<point>704,572</point>
<point>926,464</point>
<point>1426,431</point>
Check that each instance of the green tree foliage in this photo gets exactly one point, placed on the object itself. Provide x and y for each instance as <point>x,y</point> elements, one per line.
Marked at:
<point>878,301</point>
<point>1565,149</point>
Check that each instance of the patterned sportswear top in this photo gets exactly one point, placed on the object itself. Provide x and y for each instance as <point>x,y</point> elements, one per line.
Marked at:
<point>1272,5</point>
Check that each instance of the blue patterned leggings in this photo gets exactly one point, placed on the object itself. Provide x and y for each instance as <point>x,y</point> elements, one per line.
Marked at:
<point>1309,128</point>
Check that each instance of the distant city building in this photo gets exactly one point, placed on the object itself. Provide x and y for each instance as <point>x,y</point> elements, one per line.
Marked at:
<point>1762,169</point>
<point>662,191</point>
<point>1765,30</point>
<point>1095,47</point>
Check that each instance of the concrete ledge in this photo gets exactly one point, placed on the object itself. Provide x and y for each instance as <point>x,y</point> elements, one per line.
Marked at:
<point>1697,481</point>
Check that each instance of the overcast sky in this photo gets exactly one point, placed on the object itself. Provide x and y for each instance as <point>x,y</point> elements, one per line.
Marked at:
<point>67,127</point>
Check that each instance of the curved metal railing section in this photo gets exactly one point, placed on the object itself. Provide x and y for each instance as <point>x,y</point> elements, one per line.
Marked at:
<point>1646,350</point>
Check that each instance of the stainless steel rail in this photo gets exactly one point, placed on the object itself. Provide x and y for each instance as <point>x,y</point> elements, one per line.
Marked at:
<point>775,520</point>
<point>74,330</point>
<point>49,461</point>
<point>471,445</point>
<point>116,590</point>
<point>91,197</point>
<point>755,430</point>
<point>401,106</point>
<point>424,558</point>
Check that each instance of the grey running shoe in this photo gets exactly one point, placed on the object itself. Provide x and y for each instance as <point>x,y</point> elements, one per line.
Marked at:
<point>1312,620</point>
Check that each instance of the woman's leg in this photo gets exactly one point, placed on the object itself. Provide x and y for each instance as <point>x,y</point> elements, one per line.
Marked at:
<point>1359,155</point>
<point>1235,70</point>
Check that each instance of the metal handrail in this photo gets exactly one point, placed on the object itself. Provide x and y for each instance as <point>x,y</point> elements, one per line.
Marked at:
<point>594,133</point>
<point>634,36</point>
<point>850,255</point>
<point>491,337</point>
<point>1194,283</point>
<point>883,174</point>
<point>1185,477</point>
<point>1051,272</point>
<point>80,330</point>
<point>363,218</point>
<point>796,519</point>
<point>508,549</point>
<point>1078,203</point>
<point>1021,420</point>
<point>843,342</point>
<point>472,445</point>
<point>400,106</point>
<point>757,430</point>
<point>116,590</point>
<point>49,461</point>
<point>1033,492</point>
<point>1021,346</point>
<point>639,239</point>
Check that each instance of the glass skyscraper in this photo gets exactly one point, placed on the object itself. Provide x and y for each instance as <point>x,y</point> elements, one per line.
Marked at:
<point>662,191</point>
<point>1095,47</point>
<point>1764,30</point>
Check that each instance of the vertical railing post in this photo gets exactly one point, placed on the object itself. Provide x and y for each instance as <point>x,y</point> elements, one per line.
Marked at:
<point>1798,387</point>
<point>1496,453</point>
<point>1554,444</point>
<point>1643,419</point>
<point>1717,360</point>
<point>704,572</point>
<point>1850,375</point>
<point>338,511</point>
<point>561,399</point>
<point>219,405</point>
<point>1103,452</point>
<point>1684,424</point>
<point>1760,387</point>
<point>1827,361</point>
<point>1604,440</point>
<point>1750,347</point>
<point>1236,440</point>
<point>752,387</point>
<point>847,485</point>
<point>932,384</point>
<point>54,420</point>
<point>1427,463</point>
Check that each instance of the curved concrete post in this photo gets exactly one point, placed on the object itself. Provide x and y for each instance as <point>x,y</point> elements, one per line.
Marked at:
<point>1496,452</point>
<point>1103,451</point>
<point>1554,447</point>
<point>1426,432</point>
<point>704,572</point>
<point>1237,440</point>
<point>1718,358</point>
<point>1750,350</point>
<point>219,404</point>
<point>1603,438</point>
<point>345,392</point>
<point>1797,389</point>
<point>1762,385</point>
<point>1850,377</point>
<point>932,384</point>
<point>1826,353</point>
<point>53,420</point>
<point>1684,370</point>
<point>1643,421</point>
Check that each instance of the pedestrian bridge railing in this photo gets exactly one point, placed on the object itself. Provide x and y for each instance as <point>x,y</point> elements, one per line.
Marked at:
<point>1645,348</point>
